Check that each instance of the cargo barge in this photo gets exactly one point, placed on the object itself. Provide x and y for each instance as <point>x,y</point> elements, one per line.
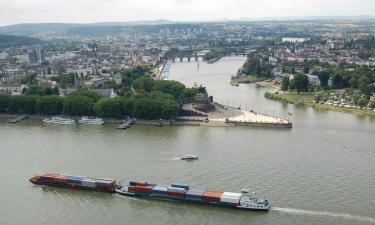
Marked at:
<point>183,193</point>
<point>75,182</point>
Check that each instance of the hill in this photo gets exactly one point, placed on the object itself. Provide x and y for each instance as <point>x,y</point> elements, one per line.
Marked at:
<point>7,41</point>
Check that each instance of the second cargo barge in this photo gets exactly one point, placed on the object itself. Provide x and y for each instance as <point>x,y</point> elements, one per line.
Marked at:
<point>181,192</point>
<point>75,182</point>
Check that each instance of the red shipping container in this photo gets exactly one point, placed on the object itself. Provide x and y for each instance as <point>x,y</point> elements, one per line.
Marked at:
<point>49,176</point>
<point>145,189</point>
<point>178,195</point>
<point>138,183</point>
<point>61,179</point>
<point>131,189</point>
<point>212,196</point>
<point>104,187</point>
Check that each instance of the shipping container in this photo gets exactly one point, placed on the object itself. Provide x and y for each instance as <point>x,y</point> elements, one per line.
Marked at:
<point>48,176</point>
<point>184,186</point>
<point>88,183</point>
<point>61,179</point>
<point>176,190</point>
<point>195,194</point>
<point>176,195</point>
<point>131,189</point>
<point>105,183</point>
<point>233,200</point>
<point>231,194</point>
<point>159,190</point>
<point>143,189</point>
<point>212,196</point>
<point>75,180</point>
<point>138,183</point>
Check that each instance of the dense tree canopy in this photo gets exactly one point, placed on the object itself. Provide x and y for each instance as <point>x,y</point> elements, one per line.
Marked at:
<point>78,105</point>
<point>300,82</point>
<point>22,104</point>
<point>257,66</point>
<point>50,105</point>
<point>87,93</point>
<point>130,75</point>
<point>36,90</point>
<point>154,105</point>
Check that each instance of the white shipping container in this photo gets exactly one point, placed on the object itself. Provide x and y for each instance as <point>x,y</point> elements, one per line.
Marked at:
<point>88,183</point>
<point>233,200</point>
<point>176,190</point>
<point>231,194</point>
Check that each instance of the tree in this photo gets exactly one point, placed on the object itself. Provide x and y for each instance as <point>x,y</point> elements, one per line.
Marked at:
<point>189,93</point>
<point>324,77</point>
<point>285,83</point>
<point>36,90</point>
<point>65,80</point>
<point>22,104</point>
<point>50,105</point>
<point>306,70</point>
<point>87,93</point>
<point>174,88</point>
<point>372,104</point>
<point>300,82</point>
<point>4,103</point>
<point>28,79</point>
<point>143,84</point>
<point>78,106</point>
<point>126,91</point>
<point>129,75</point>
<point>362,102</point>
<point>109,107</point>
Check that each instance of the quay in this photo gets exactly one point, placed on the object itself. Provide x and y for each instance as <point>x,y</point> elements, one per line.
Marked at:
<point>127,124</point>
<point>226,116</point>
<point>18,119</point>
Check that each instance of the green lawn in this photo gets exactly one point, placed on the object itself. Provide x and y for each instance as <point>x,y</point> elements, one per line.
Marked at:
<point>307,98</point>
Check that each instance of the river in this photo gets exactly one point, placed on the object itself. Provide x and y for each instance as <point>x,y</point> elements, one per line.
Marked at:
<point>320,172</point>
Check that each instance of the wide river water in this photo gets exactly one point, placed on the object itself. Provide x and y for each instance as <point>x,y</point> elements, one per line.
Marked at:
<point>320,172</point>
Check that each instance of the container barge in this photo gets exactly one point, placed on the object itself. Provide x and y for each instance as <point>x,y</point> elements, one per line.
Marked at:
<point>75,182</point>
<point>183,193</point>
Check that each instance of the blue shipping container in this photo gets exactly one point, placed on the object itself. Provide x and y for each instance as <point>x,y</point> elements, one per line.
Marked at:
<point>159,189</point>
<point>195,193</point>
<point>75,180</point>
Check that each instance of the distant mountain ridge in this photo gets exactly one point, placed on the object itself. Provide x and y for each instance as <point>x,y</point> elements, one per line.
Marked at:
<point>103,29</point>
<point>7,41</point>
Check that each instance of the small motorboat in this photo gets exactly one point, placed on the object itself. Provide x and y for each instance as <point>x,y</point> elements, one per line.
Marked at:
<point>190,157</point>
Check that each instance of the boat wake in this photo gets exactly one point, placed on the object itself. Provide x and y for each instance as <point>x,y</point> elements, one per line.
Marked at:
<point>325,214</point>
<point>175,158</point>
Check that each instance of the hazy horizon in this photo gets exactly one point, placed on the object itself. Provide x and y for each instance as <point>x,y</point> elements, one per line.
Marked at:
<point>92,11</point>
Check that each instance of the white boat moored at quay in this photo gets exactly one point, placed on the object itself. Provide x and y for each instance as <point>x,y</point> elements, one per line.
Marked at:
<point>91,120</point>
<point>59,120</point>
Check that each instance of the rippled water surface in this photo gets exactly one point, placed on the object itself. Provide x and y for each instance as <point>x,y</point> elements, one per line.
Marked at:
<point>320,172</point>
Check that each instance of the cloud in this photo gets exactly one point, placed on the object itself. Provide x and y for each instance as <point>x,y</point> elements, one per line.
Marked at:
<point>23,11</point>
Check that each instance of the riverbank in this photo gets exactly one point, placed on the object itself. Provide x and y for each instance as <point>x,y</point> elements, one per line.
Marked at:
<point>272,84</point>
<point>246,80</point>
<point>307,99</point>
<point>213,60</point>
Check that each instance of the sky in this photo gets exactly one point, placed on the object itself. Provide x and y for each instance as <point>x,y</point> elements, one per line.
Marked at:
<point>86,11</point>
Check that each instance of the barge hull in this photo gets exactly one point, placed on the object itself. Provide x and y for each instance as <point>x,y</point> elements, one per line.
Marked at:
<point>184,200</point>
<point>72,187</point>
